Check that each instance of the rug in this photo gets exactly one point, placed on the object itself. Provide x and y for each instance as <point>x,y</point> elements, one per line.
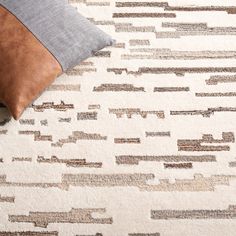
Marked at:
<point>138,140</point>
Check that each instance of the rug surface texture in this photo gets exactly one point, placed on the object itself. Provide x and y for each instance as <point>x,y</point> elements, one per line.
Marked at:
<point>138,140</point>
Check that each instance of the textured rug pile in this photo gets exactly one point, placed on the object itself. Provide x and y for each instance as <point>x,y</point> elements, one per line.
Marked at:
<point>138,140</point>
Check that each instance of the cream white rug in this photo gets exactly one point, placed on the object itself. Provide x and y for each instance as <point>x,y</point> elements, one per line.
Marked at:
<point>136,141</point>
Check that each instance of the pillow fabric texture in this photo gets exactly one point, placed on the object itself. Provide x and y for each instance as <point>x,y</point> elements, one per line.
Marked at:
<point>39,40</point>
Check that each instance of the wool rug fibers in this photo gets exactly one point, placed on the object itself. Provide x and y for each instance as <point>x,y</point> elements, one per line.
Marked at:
<point>138,140</point>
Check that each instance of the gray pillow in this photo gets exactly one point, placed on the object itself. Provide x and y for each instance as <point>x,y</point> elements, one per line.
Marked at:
<point>39,40</point>
<point>69,36</point>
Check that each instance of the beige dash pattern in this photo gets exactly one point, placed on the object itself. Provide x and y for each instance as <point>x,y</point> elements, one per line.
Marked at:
<point>137,140</point>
